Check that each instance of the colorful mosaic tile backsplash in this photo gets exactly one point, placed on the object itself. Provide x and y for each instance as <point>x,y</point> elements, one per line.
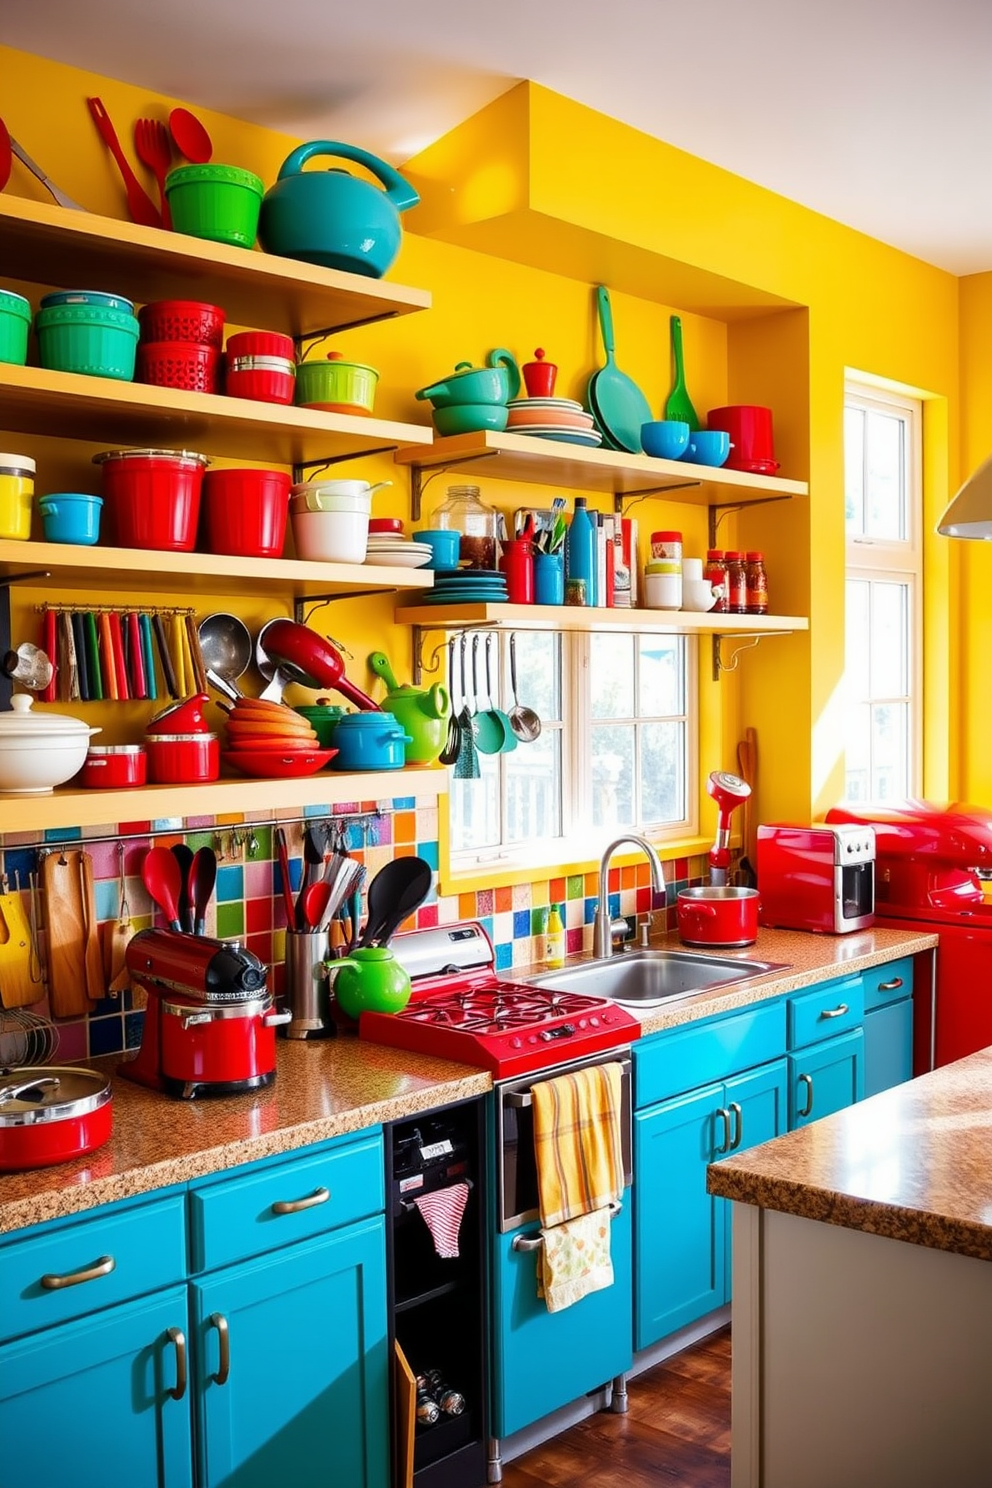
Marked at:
<point>248,903</point>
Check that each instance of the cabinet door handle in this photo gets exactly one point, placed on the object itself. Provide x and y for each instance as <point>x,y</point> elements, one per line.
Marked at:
<point>807,1110</point>
<point>177,1337</point>
<point>293,1206</point>
<point>837,1012</point>
<point>724,1116</point>
<point>218,1321</point>
<point>892,986</point>
<point>739,1114</point>
<point>103,1267</point>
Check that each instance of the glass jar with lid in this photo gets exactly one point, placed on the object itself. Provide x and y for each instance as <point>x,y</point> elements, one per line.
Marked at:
<point>465,512</point>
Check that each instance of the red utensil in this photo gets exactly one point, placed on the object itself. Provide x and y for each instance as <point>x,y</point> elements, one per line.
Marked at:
<point>139,203</point>
<point>313,901</point>
<point>5,155</point>
<point>190,137</point>
<point>162,877</point>
<point>152,146</point>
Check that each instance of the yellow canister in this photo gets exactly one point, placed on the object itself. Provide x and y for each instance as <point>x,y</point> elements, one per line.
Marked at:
<point>16,496</point>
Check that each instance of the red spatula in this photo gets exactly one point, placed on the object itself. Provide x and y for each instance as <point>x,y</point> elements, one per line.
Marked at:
<point>139,203</point>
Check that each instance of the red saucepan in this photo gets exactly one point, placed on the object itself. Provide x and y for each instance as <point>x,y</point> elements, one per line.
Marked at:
<point>51,1114</point>
<point>724,917</point>
<point>303,656</point>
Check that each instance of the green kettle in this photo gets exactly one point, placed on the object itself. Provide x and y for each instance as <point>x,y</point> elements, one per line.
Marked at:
<point>422,712</point>
<point>369,980</point>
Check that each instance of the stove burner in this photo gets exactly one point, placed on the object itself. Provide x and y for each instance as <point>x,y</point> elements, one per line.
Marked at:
<point>494,1008</point>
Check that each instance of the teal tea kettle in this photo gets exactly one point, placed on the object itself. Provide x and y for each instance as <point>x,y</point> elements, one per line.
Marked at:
<point>422,712</point>
<point>332,218</point>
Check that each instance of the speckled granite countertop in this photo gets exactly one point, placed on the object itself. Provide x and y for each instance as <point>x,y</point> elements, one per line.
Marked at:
<point>913,1164</point>
<point>324,1089</point>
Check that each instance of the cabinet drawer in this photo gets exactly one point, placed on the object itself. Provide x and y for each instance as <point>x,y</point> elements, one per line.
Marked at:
<point>712,1049</point>
<point>825,1012</point>
<point>146,1245</point>
<point>888,983</point>
<point>234,1218</point>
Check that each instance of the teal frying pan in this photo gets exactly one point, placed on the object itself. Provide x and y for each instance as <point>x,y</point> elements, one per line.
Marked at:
<point>615,401</point>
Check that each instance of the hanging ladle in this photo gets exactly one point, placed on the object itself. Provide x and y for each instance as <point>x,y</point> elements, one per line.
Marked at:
<point>489,734</point>
<point>523,721</point>
<point>453,742</point>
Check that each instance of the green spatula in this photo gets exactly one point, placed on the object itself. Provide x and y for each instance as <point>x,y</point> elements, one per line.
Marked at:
<point>679,405</point>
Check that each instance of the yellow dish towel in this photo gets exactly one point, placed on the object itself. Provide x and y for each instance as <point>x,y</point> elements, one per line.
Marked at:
<point>575,1260</point>
<point>577,1142</point>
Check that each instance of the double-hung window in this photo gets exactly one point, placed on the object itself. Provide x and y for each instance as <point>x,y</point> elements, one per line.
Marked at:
<point>616,749</point>
<point>883,508</point>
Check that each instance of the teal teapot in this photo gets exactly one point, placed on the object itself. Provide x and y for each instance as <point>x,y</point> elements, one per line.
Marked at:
<point>422,712</point>
<point>332,218</point>
<point>369,980</point>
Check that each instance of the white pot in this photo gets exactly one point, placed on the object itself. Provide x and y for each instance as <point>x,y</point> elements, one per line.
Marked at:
<point>39,751</point>
<point>331,536</point>
<point>334,495</point>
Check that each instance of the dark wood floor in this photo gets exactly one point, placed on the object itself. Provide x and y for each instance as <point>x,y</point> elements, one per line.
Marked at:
<point>676,1432</point>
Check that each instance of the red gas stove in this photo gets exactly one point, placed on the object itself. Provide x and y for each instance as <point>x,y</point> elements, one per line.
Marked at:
<point>461,1009</point>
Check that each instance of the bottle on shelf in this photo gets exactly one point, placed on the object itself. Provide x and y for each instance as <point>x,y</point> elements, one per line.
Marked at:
<point>736,583</point>
<point>756,583</point>
<point>554,939</point>
<point>715,572</point>
<point>580,548</point>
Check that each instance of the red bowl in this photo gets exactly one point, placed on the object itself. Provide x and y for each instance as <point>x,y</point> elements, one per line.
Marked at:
<point>260,343</point>
<point>182,320</point>
<point>385,524</point>
<point>189,365</point>
<point>271,765</point>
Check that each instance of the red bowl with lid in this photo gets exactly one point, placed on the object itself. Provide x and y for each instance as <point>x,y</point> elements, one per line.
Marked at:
<point>182,759</point>
<point>266,379</point>
<point>182,320</point>
<point>260,343</point>
<point>112,766</point>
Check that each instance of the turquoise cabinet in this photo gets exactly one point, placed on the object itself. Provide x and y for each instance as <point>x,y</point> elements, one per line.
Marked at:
<point>826,1050</point>
<point>888,1025</point>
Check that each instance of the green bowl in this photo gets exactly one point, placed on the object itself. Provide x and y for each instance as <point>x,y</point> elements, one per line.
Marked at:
<point>323,719</point>
<point>337,385</point>
<point>219,202</point>
<point>87,338</point>
<point>15,320</point>
<point>467,418</point>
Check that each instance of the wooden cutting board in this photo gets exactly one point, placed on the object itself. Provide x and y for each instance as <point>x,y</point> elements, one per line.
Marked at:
<point>75,963</point>
<point>16,987</point>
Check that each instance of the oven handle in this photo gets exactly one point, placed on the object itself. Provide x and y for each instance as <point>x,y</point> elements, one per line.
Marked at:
<point>523,1098</point>
<point>525,1243</point>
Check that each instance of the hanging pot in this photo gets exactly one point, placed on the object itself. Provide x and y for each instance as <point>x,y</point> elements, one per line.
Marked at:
<point>304,656</point>
<point>711,916</point>
<point>51,1115</point>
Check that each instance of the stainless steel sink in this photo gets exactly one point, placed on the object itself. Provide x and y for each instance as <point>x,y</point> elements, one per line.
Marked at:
<point>645,978</point>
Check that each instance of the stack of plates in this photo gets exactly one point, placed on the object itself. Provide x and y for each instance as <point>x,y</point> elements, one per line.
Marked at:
<point>466,586</point>
<point>553,418</point>
<point>389,549</point>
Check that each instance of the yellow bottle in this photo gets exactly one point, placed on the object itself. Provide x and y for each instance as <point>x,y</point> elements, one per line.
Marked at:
<point>554,945</point>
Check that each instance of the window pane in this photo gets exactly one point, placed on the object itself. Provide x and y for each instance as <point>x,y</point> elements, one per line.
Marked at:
<point>661,677</point>
<point>611,676</point>
<point>854,467</point>
<point>474,807</point>
<point>889,641</point>
<point>858,753</point>
<point>885,504</point>
<point>613,775</point>
<point>857,633</point>
<point>662,772</point>
<point>533,788</point>
<point>890,751</point>
<point>538,674</point>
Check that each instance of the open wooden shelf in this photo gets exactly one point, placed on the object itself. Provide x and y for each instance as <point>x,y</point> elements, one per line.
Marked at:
<point>42,242</point>
<point>550,462</point>
<point>111,569</point>
<point>70,806</point>
<point>578,617</point>
<point>116,415</point>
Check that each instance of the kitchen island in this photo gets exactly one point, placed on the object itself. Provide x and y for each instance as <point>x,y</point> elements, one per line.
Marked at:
<point>863,1292</point>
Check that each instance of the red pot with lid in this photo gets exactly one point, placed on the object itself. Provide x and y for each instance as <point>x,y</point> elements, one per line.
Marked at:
<point>722,917</point>
<point>182,759</point>
<point>51,1114</point>
<point>114,766</point>
<point>183,717</point>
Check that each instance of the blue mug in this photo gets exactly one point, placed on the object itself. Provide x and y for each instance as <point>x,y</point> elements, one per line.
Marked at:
<point>549,578</point>
<point>71,517</point>
<point>444,543</point>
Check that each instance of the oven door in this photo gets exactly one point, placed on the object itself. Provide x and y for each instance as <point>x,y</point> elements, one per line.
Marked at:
<point>515,1165</point>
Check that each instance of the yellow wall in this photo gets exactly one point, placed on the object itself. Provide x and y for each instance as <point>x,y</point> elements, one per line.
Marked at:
<point>972,569</point>
<point>525,207</point>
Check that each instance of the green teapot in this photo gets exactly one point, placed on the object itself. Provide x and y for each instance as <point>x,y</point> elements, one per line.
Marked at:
<point>369,980</point>
<point>422,712</point>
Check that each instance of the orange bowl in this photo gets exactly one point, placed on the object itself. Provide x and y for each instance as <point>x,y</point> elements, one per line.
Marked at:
<point>274,764</point>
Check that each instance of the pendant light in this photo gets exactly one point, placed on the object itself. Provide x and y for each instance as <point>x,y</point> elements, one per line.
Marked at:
<point>970,513</point>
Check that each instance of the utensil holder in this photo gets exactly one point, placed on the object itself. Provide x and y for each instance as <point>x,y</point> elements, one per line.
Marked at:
<point>549,578</point>
<point>518,565</point>
<point>307,991</point>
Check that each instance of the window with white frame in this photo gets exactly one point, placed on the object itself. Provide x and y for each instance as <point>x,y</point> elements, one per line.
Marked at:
<point>883,509</point>
<point>614,751</point>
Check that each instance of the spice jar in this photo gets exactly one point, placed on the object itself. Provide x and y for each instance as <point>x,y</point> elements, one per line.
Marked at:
<point>756,583</point>
<point>667,545</point>
<point>715,573</point>
<point>465,512</point>
<point>736,583</point>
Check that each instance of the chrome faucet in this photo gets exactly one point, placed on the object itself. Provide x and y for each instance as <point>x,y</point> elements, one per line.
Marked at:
<point>602,928</point>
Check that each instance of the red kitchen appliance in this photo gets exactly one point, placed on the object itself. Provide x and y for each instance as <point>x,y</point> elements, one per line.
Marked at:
<point>932,862</point>
<point>210,1022</point>
<point>819,878</point>
<point>462,1009</point>
<point>728,791</point>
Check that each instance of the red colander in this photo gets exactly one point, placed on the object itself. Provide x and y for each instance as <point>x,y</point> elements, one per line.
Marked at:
<point>182,320</point>
<point>179,364</point>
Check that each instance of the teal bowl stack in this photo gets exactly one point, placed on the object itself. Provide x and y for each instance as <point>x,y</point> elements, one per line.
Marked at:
<point>15,322</point>
<point>89,338</point>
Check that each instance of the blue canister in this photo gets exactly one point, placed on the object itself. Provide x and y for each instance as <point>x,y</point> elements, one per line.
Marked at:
<point>71,517</point>
<point>549,578</point>
<point>580,548</point>
<point>370,741</point>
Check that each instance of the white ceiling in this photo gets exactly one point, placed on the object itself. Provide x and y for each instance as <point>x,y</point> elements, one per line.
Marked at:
<point>875,112</point>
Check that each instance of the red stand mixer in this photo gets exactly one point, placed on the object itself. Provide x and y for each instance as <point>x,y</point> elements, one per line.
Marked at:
<point>210,1021</point>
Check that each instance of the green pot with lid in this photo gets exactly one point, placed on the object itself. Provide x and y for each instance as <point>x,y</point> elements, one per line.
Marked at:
<point>495,383</point>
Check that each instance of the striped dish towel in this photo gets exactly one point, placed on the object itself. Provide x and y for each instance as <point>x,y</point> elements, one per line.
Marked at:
<point>442,1212</point>
<point>577,1142</point>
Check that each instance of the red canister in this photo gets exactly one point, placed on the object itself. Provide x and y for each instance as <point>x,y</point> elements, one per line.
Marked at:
<point>152,497</point>
<point>182,759</point>
<point>751,444</point>
<point>518,564</point>
<point>265,379</point>
<point>260,344</point>
<point>245,512</point>
<point>110,766</point>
